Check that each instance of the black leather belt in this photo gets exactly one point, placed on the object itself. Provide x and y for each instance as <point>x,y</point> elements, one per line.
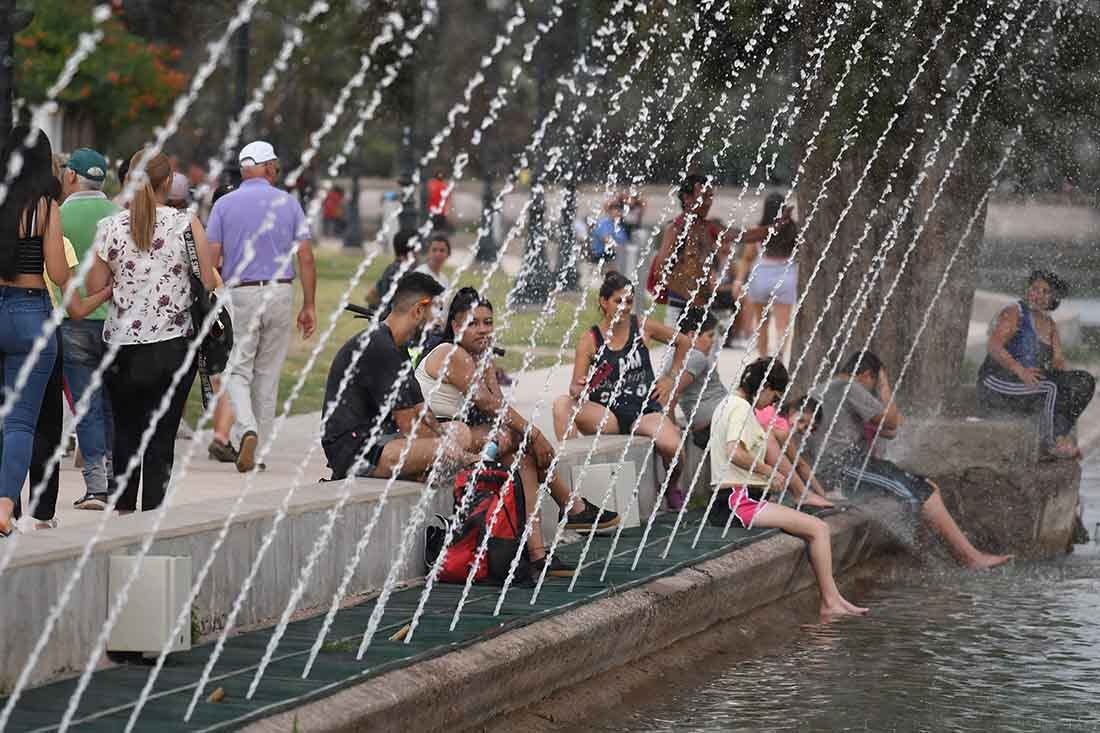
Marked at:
<point>261,283</point>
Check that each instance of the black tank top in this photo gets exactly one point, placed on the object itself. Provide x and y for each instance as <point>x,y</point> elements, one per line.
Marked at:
<point>635,370</point>
<point>30,257</point>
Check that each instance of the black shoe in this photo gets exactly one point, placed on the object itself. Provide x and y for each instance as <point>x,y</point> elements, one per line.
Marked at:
<point>246,456</point>
<point>221,452</point>
<point>95,502</point>
<point>558,568</point>
<point>583,520</point>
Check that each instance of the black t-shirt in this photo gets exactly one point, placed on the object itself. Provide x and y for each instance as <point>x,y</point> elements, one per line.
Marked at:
<point>386,280</point>
<point>373,378</point>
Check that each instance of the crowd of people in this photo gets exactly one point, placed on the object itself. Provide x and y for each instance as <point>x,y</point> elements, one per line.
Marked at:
<point>389,414</point>
<point>131,320</point>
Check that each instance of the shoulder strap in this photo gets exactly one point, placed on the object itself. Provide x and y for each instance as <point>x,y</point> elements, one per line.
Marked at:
<point>192,254</point>
<point>597,335</point>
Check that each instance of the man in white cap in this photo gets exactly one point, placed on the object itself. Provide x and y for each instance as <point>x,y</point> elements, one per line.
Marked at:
<point>255,231</point>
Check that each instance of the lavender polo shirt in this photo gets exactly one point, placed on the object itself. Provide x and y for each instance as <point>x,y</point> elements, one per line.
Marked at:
<point>237,217</point>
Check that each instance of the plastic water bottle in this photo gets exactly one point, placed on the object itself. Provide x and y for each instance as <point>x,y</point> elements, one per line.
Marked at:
<point>489,452</point>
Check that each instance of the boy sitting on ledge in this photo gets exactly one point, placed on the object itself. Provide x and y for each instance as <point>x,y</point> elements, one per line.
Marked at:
<point>871,399</point>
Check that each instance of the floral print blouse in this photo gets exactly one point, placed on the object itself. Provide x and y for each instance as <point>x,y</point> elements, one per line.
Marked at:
<point>151,296</point>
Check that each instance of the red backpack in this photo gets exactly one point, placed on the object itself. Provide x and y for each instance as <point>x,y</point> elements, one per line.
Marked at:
<point>494,486</point>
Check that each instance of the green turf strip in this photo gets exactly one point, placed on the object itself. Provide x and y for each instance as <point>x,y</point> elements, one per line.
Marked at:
<point>109,699</point>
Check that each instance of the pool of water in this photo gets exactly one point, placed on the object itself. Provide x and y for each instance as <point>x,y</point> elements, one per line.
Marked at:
<point>1017,650</point>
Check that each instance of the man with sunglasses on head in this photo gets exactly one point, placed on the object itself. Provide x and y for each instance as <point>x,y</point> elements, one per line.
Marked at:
<point>252,232</point>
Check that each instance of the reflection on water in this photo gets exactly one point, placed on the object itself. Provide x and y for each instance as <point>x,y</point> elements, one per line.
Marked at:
<point>1018,651</point>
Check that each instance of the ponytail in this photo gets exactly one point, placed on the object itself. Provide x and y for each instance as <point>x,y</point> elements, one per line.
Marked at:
<point>143,207</point>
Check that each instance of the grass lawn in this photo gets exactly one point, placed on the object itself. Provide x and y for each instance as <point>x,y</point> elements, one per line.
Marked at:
<point>334,270</point>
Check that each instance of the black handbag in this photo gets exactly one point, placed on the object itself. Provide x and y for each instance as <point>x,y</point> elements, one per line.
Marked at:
<point>218,343</point>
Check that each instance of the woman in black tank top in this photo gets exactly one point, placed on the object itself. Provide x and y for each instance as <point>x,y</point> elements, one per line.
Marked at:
<point>614,382</point>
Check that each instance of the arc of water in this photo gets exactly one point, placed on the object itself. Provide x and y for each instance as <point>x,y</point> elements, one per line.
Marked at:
<point>459,166</point>
<point>642,119</point>
<point>135,460</point>
<point>666,271</point>
<point>851,318</point>
<point>930,159</point>
<point>135,177</point>
<point>975,116</point>
<point>614,105</point>
<point>708,263</point>
<point>809,78</point>
<point>420,507</point>
<point>594,142</point>
<point>942,94</point>
<point>85,45</point>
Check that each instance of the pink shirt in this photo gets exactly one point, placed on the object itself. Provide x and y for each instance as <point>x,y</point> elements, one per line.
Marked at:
<point>767,414</point>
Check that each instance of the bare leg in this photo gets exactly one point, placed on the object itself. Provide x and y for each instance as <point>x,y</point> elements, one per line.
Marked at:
<point>558,489</point>
<point>528,474</point>
<point>223,414</point>
<point>798,487</point>
<point>7,508</point>
<point>667,437</point>
<point>782,312</point>
<point>816,534</point>
<point>589,418</point>
<point>457,443</point>
<point>936,514</point>
<point>757,311</point>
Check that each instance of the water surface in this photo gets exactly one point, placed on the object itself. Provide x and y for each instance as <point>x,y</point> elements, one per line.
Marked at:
<point>1017,650</point>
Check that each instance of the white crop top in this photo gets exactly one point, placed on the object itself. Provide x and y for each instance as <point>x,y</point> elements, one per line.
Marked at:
<point>443,400</point>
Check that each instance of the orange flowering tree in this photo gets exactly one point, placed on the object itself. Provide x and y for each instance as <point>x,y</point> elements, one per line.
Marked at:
<point>125,82</point>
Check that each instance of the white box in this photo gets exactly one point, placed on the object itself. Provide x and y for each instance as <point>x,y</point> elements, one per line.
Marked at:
<point>596,481</point>
<point>152,603</point>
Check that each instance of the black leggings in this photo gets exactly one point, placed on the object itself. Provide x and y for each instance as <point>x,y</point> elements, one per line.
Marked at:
<point>1059,397</point>
<point>137,381</point>
<point>47,436</point>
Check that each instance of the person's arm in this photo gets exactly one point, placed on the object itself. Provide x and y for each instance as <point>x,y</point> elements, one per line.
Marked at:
<point>582,359</point>
<point>668,239</point>
<point>53,245</point>
<point>686,381</point>
<point>1059,359</point>
<point>663,387</point>
<point>307,271</point>
<point>1003,330</point>
<point>206,257</point>
<point>890,418</point>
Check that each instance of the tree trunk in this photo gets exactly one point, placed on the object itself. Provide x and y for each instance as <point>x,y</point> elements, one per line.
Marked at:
<point>937,360</point>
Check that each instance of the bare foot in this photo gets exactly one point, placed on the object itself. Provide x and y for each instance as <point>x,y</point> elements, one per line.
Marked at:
<point>840,606</point>
<point>985,561</point>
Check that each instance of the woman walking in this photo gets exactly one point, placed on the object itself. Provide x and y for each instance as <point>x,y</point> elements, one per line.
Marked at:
<point>773,274</point>
<point>143,254</point>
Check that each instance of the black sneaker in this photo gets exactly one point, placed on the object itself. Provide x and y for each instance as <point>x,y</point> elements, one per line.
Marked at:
<point>583,520</point>
<point>221,452</point>
<point>94,502</point>
<point>558,568</point>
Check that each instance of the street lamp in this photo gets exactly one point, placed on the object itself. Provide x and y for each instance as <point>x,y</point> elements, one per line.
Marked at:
<point>487,243</point>
<point>536,275</point>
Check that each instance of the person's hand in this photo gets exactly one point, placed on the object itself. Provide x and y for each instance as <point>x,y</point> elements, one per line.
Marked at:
<point>576,388</point>
<point>883,383</point>
<point>662,389</point>
<point>1030,375</point>
<point>307,321</point>
<point>81,307</point>
<point>543,450</point>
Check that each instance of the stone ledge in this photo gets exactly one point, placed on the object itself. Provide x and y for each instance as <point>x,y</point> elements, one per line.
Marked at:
<point>468,687</point>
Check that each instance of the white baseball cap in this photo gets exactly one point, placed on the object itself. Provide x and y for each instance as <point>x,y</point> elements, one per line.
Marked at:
<point>257,153</point>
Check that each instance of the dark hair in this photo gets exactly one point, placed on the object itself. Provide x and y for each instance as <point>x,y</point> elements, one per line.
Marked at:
<point>613,282</point>
<point>34,183</point>
<point>221,191</point>
<point>861,363</point>
<point>773,209</point>
<point>401,246</point>
<point>1059,288</point>
<point>687,187</point>
<point>413,287</point>
<point>440,237</point>
<point>466,299</point>
<point>698,320</point>
<point>805,403</point>
<point>752,379</point>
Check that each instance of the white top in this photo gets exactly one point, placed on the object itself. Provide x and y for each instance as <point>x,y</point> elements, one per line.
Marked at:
<point>151,296</point>
<point>439,276</point>
<point>444,401</point>
<point>439,308</point>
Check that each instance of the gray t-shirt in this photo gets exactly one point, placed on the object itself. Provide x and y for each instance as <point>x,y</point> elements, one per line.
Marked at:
<point>698,365</point>
<point>859,407</point>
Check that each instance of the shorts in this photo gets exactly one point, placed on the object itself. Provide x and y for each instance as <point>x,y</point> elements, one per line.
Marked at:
<point>627,415</point>
<point>770,274</point>
<point>884,477</point>
<point>343,452</point>
<point>744,507</point>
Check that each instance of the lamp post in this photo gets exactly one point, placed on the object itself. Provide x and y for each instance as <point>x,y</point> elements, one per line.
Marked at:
<point>536,281</point>
<point>232,169</point>
<point>353,233</point>
<point>11,22</point>
<point>487,242</point>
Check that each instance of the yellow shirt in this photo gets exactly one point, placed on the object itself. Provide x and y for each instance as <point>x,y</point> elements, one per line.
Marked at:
<point>71,260</point>
<point>734,420</point>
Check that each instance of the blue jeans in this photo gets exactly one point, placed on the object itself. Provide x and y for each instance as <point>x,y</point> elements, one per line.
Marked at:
<point>84,350</point>
<point>23,312</point>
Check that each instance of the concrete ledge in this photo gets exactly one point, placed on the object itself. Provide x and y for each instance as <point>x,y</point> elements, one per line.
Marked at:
<point>468,687</point>
<point>45,561</point>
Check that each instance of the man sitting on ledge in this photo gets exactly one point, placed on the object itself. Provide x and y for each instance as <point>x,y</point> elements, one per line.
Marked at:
<point>870,399</point>
<point>374,376</point>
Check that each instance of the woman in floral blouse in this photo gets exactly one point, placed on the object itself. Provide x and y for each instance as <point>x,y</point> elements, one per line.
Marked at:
<point>142,254</point>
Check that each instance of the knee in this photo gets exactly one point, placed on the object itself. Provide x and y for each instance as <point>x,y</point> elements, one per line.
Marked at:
<point>461,435</point>
<point>562,407</point>
<point>819,531</point>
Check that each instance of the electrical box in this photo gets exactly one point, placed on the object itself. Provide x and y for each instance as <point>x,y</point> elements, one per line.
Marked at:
<point>152,603</point>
